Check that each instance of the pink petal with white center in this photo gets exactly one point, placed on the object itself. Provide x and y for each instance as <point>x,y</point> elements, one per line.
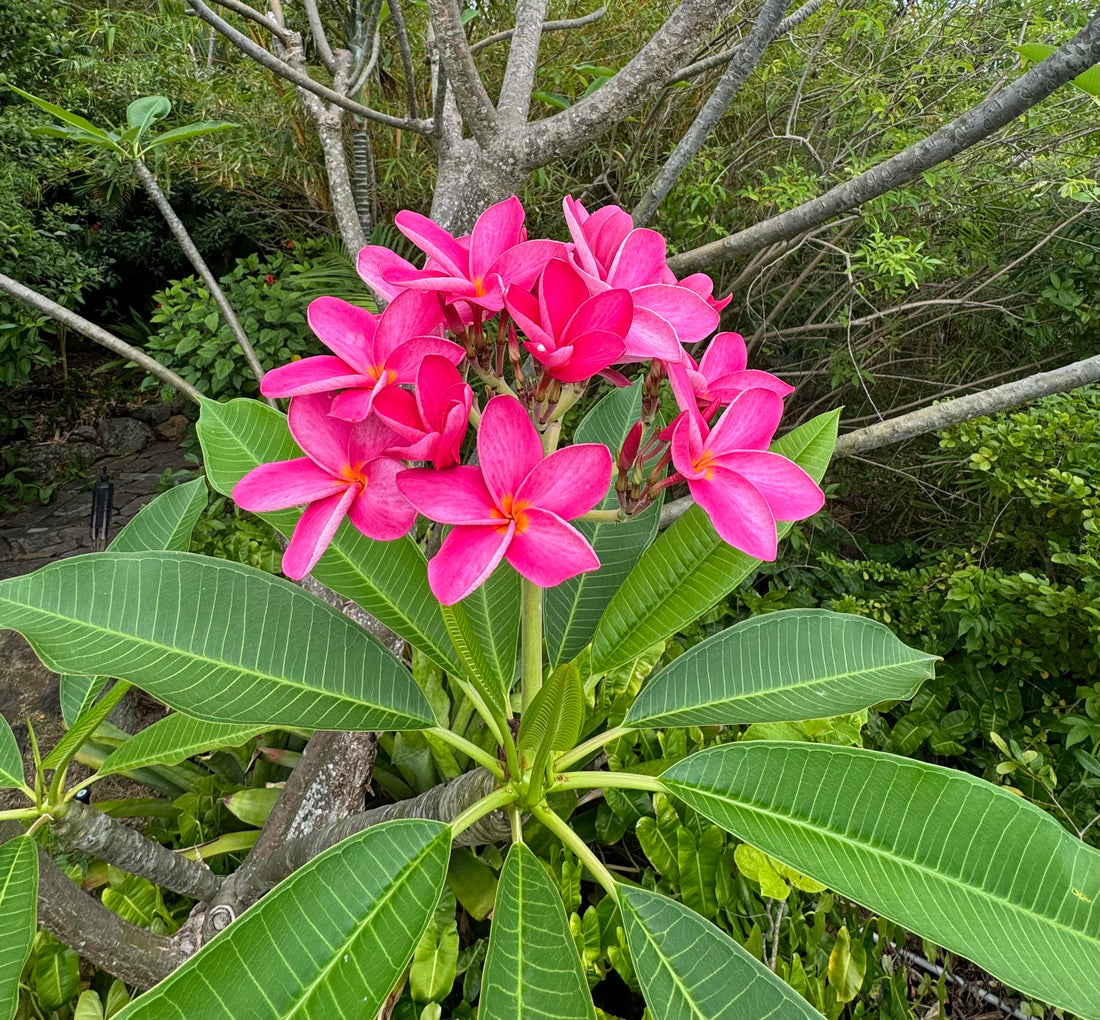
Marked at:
<point>524,308</point>
<point>738,511</point>
<point>724,354</point>
<point>383,270</point>
<point>466,559</point>
<point>496,230</point>
<point>413,313</point>
<point>323,438</point>
<point>345,329</point>
<point>319,374</point>
<point>726,387</point>
<point>548,551</point>
<point>639,260</point>
<point>436,242</point>
<point>404,361</point>
<point>570,482</point>
<point>690,315</point>
<point>508,447</point>
<point>561,293</point>
<point>353,404</point>
<point>314,531</point>
<point>792,495</point>
<point>651,336</point>
<point>749,423</point>
<point>285,483</point>
<point>522,263</point>
<point>589,353</point>
<point>380,511</point>
<point>457,496</point>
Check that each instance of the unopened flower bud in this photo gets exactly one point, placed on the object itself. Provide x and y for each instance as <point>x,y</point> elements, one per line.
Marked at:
<point>629,453</point>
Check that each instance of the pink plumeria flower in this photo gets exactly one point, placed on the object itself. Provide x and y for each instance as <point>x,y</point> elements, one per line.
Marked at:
<point>720,376</point>
<point>610,252</point>
<point>472,270</point>
<point>431,420</point>
<point>344,474</point>
<point>514,505</point>
<point>742,486</point>
<point>370,352</point>
<point>572,335</point>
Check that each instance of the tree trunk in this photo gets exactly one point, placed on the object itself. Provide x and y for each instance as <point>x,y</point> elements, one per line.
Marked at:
<point>470,180</point>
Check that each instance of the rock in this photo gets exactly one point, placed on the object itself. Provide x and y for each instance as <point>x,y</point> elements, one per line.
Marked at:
<point>48,463</point>
<point>84,434</point>
<point>152,414</point>
<point>123,436</point>
<point>173,429</point>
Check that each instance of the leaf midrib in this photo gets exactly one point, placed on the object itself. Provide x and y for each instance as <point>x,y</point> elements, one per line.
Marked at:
<point>666,961</point>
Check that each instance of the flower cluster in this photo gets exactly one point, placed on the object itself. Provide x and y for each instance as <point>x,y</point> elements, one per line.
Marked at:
<point>382,419</point>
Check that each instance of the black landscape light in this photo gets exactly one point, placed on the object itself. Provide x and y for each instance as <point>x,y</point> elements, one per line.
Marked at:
<point>102,498</point>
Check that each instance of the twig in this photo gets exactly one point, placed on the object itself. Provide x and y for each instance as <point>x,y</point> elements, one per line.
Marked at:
<point>406,56</point>
<point>547,26</point>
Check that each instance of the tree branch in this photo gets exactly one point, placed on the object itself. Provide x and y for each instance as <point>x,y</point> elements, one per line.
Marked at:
<point>523,62</point>
<point>97,333</point>
<point>320,39</point>
<point>547,26</point>
<point>1062,66</point>
<point>466,85</point>
<point>642,77</point>
<point>284,70</point>
<point>253,15</point>
<point>406,56</point>
<point>741,66</point>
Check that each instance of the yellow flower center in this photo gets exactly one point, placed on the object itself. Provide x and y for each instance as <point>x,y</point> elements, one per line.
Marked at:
<point>512,510</point>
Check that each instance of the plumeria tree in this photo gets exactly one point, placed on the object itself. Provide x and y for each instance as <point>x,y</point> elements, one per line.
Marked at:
<point>434,481</point>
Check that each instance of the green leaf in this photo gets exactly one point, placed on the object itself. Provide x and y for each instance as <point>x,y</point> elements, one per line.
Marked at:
<point>553,720</point>
<point>101,137</point>
<point>532,969</point>
<point>689,569</point>
<point>473,882</point>
<point>847,966</point>
<point>388,579</point>
<point>216,640</point>
<point>69,133</point>
<point>795,664</point>
<point>690,970</point>
<point>253,805</point>
<point>552,99</point>
<point>328,943</point>
<point>56,975</point>
<point>88,1007</point>
<point>475,665</point>
<point>573,608</point>
<point>142,113</point>
<point>966,864</point>
<point>11,761</point>
<point>1087,81</point>
<point>84,726</point>
<point>493,612</point>
<point>697,862</point>
<point>18,923</point>
<point>166,522</point>
<point>196,130</point>
<point>76,693</point>
<point>173,739</point>
<point>435,959</point>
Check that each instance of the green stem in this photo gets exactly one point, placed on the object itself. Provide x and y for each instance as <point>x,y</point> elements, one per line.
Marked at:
<point>470,749</point>
<point>616,516</point>
<point>497,799</point>
<point>19,813</point>
<point>590,746</point>
<point>617,780</point>
<point>532,640</point>
<point>494,382</point>
<point>550,438</point>
<point>579,847</point>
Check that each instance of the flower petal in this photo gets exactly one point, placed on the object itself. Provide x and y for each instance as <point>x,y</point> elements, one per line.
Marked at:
<point>561,293</point>
<point>383,270</point>
<point>690,315</point>
<point>611,312</point>
<point>606,230</point>
<point>468,556</point>
<point>549,551</point>
<point>353,404</point>
<point>413,313</point>
<point>639,260</point>
<point>345,329</point>
<point>724,354</point>
<point>748,423</point>
<point>590,353</point>
<point>398,409</point>
<point>497,229</point>
<point>522,263</point>
<point>792,494</point>
<point>725,388</point>
<point>524,308</point>
<point>404,360</point>
<point>651,336</point>
<point>285,483</point>
<point>738,511</point>
<point>323,438</point>
<point>436,242</point>
<point>368,440</point>
<point>570,482</point>
<point>380,511</point>
<point>320,374</point>
<point>456,496</point>
<point>314,531</point>
<point>508,447</point>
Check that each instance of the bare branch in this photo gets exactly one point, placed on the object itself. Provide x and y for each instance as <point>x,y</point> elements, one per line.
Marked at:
<point>741,66</point>
<point>406,56</point>
<point>284,70</point>
<point>97,333</point>
<point>1068,61</point>
<point>642,78</point>
<point>368,58</point>
<point>466,85</point>
<point>253,15</point>
<point>547,26</point>
<point>523,62</point>
<point>320,39</point>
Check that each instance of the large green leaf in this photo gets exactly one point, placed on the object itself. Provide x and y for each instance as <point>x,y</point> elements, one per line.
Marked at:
<point>166,522</point>
<point>76,693</point>
<point>388,579</point>
<point>217,640</point>
<point>797,664</point>
<point>329,943</point>
<point>691,970</point>
<point>689,569</point>
<point>11,761</point>
<point>142,113</point>
<point>196,130</point>
<point>84,726</point>
<point>573,608</point>
<point>173,739</point>
<point>957,860</point>
<point>532,969</point>
<point>493,614</point>
<point>95,135</point>
<point>18,902</point>
<point>1087,81</point>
